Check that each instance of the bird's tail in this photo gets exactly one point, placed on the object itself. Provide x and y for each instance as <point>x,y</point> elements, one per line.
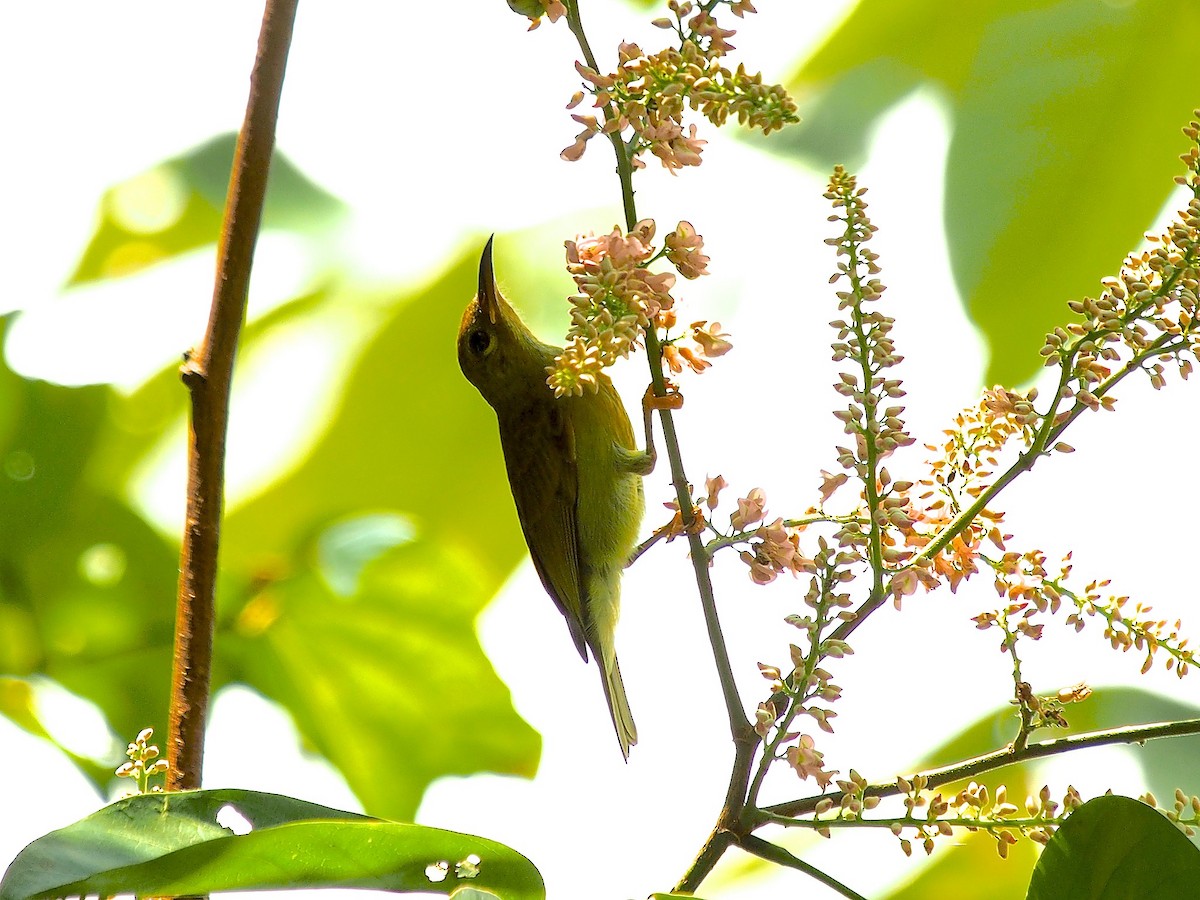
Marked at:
<point>618,703</point>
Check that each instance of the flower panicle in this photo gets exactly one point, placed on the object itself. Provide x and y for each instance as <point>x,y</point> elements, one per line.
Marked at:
<point>1030,590</point>
<point>976,808</point>
<point>1146,315</point>
<point>646,98</point>
<point>1183,813</point>
<point>143,764</point>
<point>618,296</point>
<point>863,337</point>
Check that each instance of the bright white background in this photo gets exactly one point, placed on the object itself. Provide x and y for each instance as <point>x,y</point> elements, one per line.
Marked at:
<point>438,123</point>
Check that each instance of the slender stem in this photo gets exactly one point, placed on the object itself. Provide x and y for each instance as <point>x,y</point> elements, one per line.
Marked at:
<point>710,854</point>
<point>738,723</point>
<point>801,679</point>
<point>972,768</point>
<point>730,825</point>
<point>207,373</point>
<point>914,822</point>
<point>776,854</point>
<point>723,541</point>
<point>745,739</point>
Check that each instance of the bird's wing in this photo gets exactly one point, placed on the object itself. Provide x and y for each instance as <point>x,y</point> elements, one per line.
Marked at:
<point>539,451</point>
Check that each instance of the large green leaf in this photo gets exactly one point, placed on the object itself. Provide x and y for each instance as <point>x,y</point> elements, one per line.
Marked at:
<point>1112,848</point>
<point>410,435</point>
<point>85,583</point>
<point>391,675</point>
<point>179,844</point>
<point>1046,187</point>
<point>1047,191</point>
<point>382,651</point>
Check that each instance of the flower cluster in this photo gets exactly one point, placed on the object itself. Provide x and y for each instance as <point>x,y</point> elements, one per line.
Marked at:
<point>853,803</point>
<point>618,296</point>
<point>864,338</point>
<point>773,548</point>
<point>976,809</point>
<point>809,762</point>
<point>1184,813</point>
<point>648,94</point>
<point>1032,591</point>
<point>1146,316</point>
<point>961,471</point>
<point>143,763</point>
<point>809,689</point>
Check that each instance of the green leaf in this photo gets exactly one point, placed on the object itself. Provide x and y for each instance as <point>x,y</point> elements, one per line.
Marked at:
<point>390,676</point>
<point>411,436</point>
<point>82,576</point>
<point>1045,191</point>
<point>1114,847</point>
<point>316,567</point>
<point>880,53</point>
<point>402,670</point>
<point>175,845</point>
<point>177,205</point>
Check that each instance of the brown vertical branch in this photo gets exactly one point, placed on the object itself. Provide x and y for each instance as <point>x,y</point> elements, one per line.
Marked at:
<point>208,372</point>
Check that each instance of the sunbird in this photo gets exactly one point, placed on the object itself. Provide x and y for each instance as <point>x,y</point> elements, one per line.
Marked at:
<point>575,474</point>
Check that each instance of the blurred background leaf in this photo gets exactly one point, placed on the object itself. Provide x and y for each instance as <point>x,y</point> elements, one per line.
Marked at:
<point>349,587</point>
<point>1048,186</point>
<point>176,206</point>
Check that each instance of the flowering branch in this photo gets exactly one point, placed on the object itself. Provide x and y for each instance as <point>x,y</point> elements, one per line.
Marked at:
<point>989,762</point>
<point>903,534</point>
<point>740,727</point>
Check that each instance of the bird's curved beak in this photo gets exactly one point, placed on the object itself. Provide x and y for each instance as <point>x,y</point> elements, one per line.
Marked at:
<point>487,284</point>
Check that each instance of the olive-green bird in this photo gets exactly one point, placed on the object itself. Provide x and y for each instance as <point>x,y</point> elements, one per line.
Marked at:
<point>575,473</point>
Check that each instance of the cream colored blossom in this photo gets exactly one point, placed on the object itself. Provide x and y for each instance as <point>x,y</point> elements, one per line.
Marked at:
<point>684,248</point>
<point>714,486</point>
<point>809,762</point>
<point>712,340</point>
<point>751,509</point>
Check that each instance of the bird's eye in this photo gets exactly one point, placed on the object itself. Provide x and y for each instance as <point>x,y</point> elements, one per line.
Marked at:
<point>479,341</point>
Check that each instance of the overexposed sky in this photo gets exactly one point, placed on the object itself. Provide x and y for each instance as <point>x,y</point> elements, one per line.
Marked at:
<point>438,123</point>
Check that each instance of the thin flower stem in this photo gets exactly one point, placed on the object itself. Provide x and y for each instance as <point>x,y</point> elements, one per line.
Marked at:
<point>208,373</point>
<point>972,768</point>
<point>796,700</point>
<point>1020,689</point>
<point>776,854</point>
<point>719,543</point>
<point>915,822</point>
<point>871,429</point>
<point>738,723</point>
